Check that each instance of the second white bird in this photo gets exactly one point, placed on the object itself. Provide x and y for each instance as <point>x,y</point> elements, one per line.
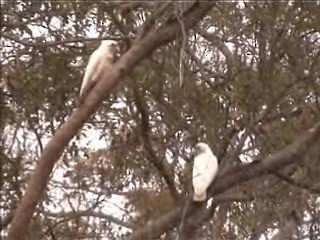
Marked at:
<point>205,168</point>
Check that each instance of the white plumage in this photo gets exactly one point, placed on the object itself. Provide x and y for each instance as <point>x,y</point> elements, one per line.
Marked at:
<point>205,168</point>
<point>100,61</point>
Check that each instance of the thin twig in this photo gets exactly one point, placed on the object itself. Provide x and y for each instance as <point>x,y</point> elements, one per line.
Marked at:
<point>74,40</point>
<point>150,22</point>
<point>162,166</point>
<point>183,46</point>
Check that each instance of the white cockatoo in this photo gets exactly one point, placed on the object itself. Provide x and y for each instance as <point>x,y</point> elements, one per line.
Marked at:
<point>205,168</point>
<point>100,61</point>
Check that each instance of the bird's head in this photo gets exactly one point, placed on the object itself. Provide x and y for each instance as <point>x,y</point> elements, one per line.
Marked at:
<point>201,148</point>
<point>110,45</point>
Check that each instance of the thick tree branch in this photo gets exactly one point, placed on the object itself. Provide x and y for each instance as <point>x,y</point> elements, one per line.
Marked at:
<point>67,131</point>
<point>295,183</point>
<point>289,154</point>
<point>234,176</point>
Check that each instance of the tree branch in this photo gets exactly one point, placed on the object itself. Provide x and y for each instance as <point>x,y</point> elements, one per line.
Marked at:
<point>87,213</point>
<point>295,183</point>
<point>68,130</point>
<point>234,176</point>
<point>162,165</point>
<point>61,42</point>
<point>216,41</point>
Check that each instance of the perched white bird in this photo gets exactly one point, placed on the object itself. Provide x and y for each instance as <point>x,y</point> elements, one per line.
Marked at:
<point>100,61</point>
<point>205,168</point>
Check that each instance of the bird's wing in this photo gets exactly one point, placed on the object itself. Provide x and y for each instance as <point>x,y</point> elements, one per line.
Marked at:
<point>199,168</point>
<point>204,169</point>
<point>91,70</point>
<point>200,165</point>
<point>199,179</point>
<point>212,164</point>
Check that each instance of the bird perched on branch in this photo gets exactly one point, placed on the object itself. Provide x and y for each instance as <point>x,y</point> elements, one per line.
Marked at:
<point>100,61</point>
<point>205,168</point>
